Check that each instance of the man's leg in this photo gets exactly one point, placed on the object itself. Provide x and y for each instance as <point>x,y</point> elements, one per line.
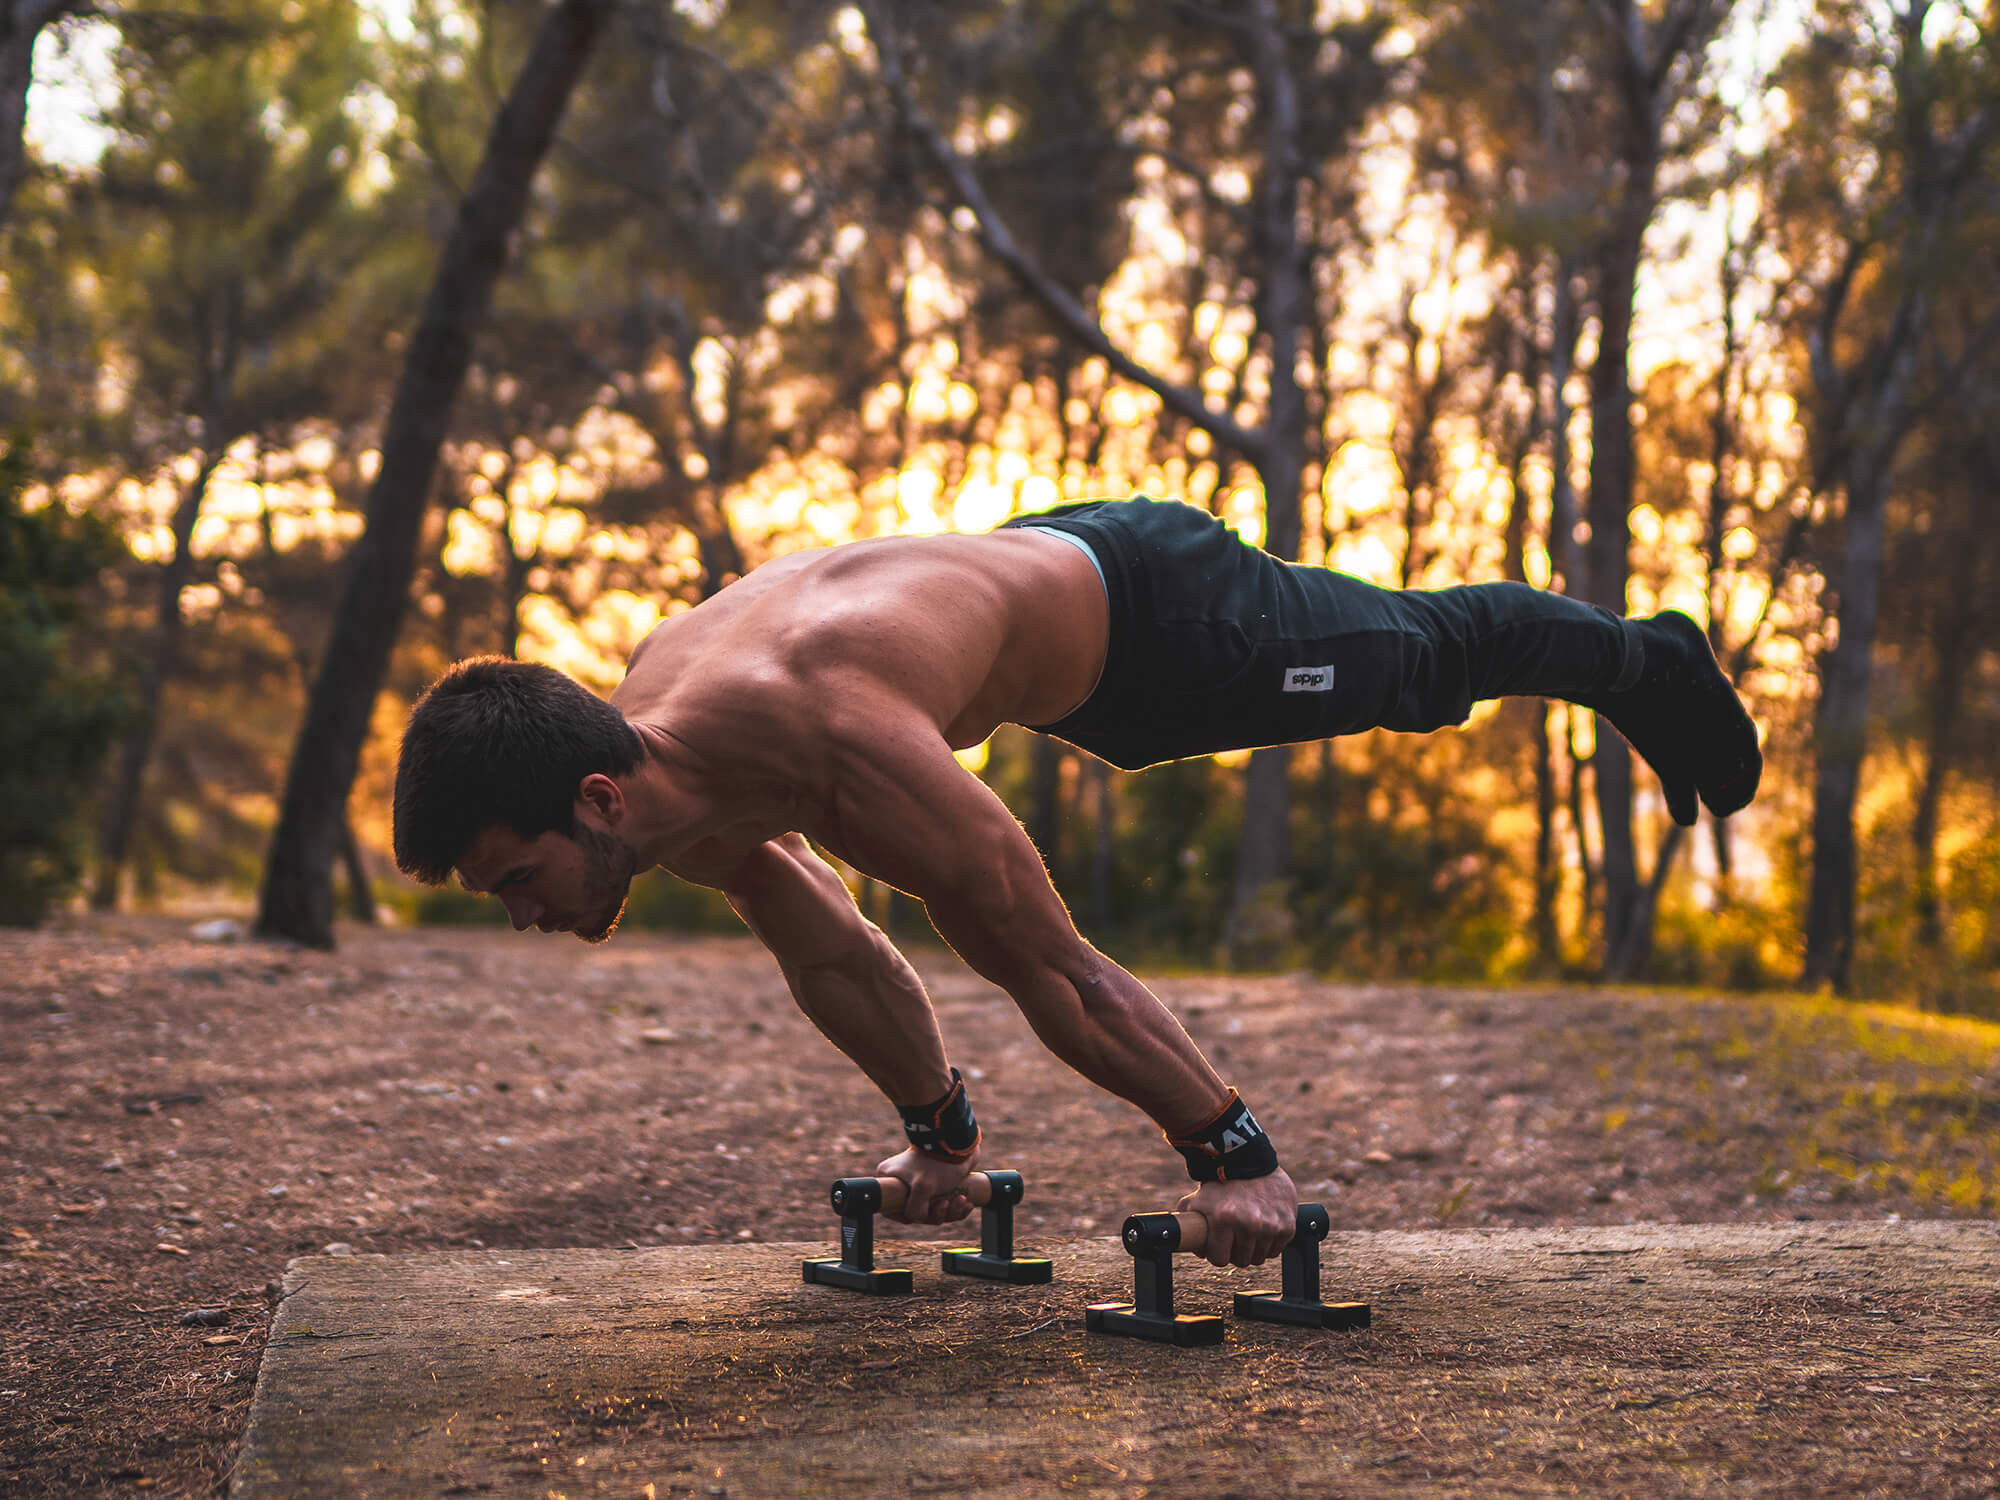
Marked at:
<point>1220,646</point>
<point>1656,680</point>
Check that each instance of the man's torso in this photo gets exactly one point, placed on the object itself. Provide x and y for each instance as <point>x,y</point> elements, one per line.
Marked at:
<point>947,635</point>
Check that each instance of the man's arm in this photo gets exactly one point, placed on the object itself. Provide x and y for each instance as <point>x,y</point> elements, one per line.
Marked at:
<point>845,974</point>
<point>909,814</point>
<point>860,992</point>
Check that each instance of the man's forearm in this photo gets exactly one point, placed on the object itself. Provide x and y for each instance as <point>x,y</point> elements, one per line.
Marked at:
<point>1088,1010</point>
<point>872,1006</point>
<point>1113,1030</point>
<point>845,975</point>
<point>1108,1026</point>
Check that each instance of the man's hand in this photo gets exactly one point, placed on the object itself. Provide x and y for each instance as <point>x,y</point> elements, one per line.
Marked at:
<point>1248,1221</point>
<point>934,1186</point>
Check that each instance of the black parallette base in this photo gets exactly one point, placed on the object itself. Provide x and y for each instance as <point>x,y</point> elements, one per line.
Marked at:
<point>1021,1270</point>
<point>1272,1307</point>
<point>1187,1330</point>
<point>885,1283</point>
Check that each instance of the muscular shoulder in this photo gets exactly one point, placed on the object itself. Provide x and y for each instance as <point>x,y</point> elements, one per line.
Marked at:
<point>927,630</point>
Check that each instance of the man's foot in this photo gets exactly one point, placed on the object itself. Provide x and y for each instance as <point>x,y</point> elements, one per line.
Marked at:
<point>1686,720</point>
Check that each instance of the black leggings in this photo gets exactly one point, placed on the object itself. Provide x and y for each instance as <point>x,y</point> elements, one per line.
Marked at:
<point>1217,645</point>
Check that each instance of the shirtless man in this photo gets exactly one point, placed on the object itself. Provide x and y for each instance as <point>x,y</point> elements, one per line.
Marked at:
<point>818,702</point>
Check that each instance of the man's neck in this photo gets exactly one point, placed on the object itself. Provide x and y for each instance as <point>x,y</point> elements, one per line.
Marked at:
<point>660,804</point>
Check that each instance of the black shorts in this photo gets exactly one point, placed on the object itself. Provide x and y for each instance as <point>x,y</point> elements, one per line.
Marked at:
<point>1218,645</point>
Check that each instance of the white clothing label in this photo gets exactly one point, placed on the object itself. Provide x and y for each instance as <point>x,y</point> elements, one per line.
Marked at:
<point>1308,679</point>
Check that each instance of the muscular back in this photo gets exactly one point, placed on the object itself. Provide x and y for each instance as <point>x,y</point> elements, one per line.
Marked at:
<point>947,635</point>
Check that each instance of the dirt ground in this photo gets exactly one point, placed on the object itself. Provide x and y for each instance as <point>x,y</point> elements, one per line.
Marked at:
<point>179,1120</point>
<point>1574,1359</point>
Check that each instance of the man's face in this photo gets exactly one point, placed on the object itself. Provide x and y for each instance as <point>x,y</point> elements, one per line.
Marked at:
<point>551,882</point>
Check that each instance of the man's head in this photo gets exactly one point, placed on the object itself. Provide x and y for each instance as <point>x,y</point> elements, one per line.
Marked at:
<point>507,774</point>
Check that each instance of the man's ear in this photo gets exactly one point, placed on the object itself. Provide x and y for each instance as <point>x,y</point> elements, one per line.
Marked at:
<point>601,797</point>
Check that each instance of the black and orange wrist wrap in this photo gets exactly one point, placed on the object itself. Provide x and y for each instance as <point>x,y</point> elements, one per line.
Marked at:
<point>1229,1148</point>
<point>944,1128</point>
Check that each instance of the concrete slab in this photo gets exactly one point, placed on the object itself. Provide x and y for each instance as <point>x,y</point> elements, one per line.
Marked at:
<point>1666,1359</point>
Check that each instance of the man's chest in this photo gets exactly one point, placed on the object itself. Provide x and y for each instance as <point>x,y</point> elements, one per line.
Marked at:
<point>716,847</point>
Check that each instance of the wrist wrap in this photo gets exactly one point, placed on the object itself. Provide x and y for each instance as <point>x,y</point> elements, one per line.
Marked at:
<point>1229,1148</point>
<point>944,1128</point>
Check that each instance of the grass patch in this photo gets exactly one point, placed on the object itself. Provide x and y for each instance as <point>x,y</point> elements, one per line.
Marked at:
<point>1808,1099</point>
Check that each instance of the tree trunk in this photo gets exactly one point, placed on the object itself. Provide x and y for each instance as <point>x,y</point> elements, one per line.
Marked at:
<point>1566,559</point>
<point>297,898</point>
<point>1571,575</point>
<point>1721,500</point>
<point>1535,713</point>
<point>1263,854</point>
<point>1632,960</point>
<point>1647,43</point>
<point>360,893</point>
<point>21,23</point>
<point>1873,406</point>
<point>1608,554</point>
<point>1840,726</point>
<point>1103,848</point>
<point>121,808</point>
<point>1585,868</point>
<point>1045,808</point>
<point>1547,935</point>
<point>1955,655</point>
<point>1840,719</point>
<point>513,589</point>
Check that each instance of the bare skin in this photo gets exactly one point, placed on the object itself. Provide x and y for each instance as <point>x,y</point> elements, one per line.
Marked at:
<point>820,698</point>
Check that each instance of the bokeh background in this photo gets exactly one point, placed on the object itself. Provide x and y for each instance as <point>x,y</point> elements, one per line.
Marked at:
<point>339,341</point>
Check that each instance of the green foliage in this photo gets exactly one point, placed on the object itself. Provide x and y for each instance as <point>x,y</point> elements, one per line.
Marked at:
<point>1739,946</point>
<point>446,906</point>
<point>739,263</point>
<point>1954,969</point>
<point>660,902</point>
<point>61,717</point>
<point>1174,854</point>
<point>1809,1100</point>
<point>1973,881</point>
<point>180,317</point>
<point>1396,869</point>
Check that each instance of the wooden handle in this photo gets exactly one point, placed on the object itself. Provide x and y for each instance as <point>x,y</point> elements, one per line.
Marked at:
<point>1194,1234</point>
<point>1186,1233</point>
<point>1152,1235</point>
<point>978,1187</point>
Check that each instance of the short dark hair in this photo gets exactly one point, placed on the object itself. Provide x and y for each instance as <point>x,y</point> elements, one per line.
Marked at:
<point>499,741</point>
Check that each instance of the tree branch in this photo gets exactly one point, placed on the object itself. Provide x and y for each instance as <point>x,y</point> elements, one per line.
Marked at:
<point>1184,401</point>
<point>1186,166</point>
<point>1676,31</point>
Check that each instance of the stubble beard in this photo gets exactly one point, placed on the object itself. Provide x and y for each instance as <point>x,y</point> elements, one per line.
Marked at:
<point>608,870</point>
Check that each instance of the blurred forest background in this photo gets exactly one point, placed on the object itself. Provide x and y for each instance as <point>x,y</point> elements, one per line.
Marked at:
<point>343,338</point>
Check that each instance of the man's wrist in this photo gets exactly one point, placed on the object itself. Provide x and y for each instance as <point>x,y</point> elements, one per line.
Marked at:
<point>1230,1147</point>
<point>945,1127</point>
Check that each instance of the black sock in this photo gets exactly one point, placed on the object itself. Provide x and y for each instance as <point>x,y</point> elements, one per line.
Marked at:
<point>1685,719</point>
